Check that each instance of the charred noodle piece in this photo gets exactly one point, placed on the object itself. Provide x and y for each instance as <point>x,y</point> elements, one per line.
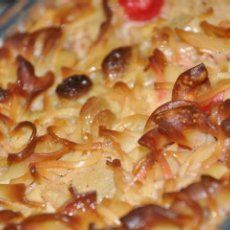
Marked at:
<point>194,194</point>
<point>114,64</point>
<point>108,19</point>
<point>154,140</point>
<point>174,117</point>
<point>74,87</point>
<point>65,142</point>
<point>143,166</point>
<point>81,202</point>
<point>165,107</point>
<point>28,84</point>
<point>148,216</point>
<point>115,163</point>
<point>24,43</point>
<point>29,149</point>
<point>158,62</point>
<point>191,84</point>
<point>47,156</point>
<point>218,31</point>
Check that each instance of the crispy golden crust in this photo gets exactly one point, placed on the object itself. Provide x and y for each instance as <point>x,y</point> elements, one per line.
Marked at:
<point>110,124</point>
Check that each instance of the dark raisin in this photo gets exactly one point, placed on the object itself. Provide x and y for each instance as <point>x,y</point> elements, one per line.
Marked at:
<point>4,95</point>
<point>115,62</point>
<point>225,124</point>
<point>74,87</point>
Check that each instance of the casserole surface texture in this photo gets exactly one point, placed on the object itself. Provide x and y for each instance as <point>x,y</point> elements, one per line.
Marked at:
<point>111,123</point>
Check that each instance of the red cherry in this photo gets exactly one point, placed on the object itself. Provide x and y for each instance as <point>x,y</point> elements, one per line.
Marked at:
<point>141,10</point>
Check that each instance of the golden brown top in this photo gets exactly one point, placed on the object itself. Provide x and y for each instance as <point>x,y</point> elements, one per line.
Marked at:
<point>106,123</point>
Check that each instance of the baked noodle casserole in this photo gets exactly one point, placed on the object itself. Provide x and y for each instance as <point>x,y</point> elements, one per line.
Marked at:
<point>115,115</point>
